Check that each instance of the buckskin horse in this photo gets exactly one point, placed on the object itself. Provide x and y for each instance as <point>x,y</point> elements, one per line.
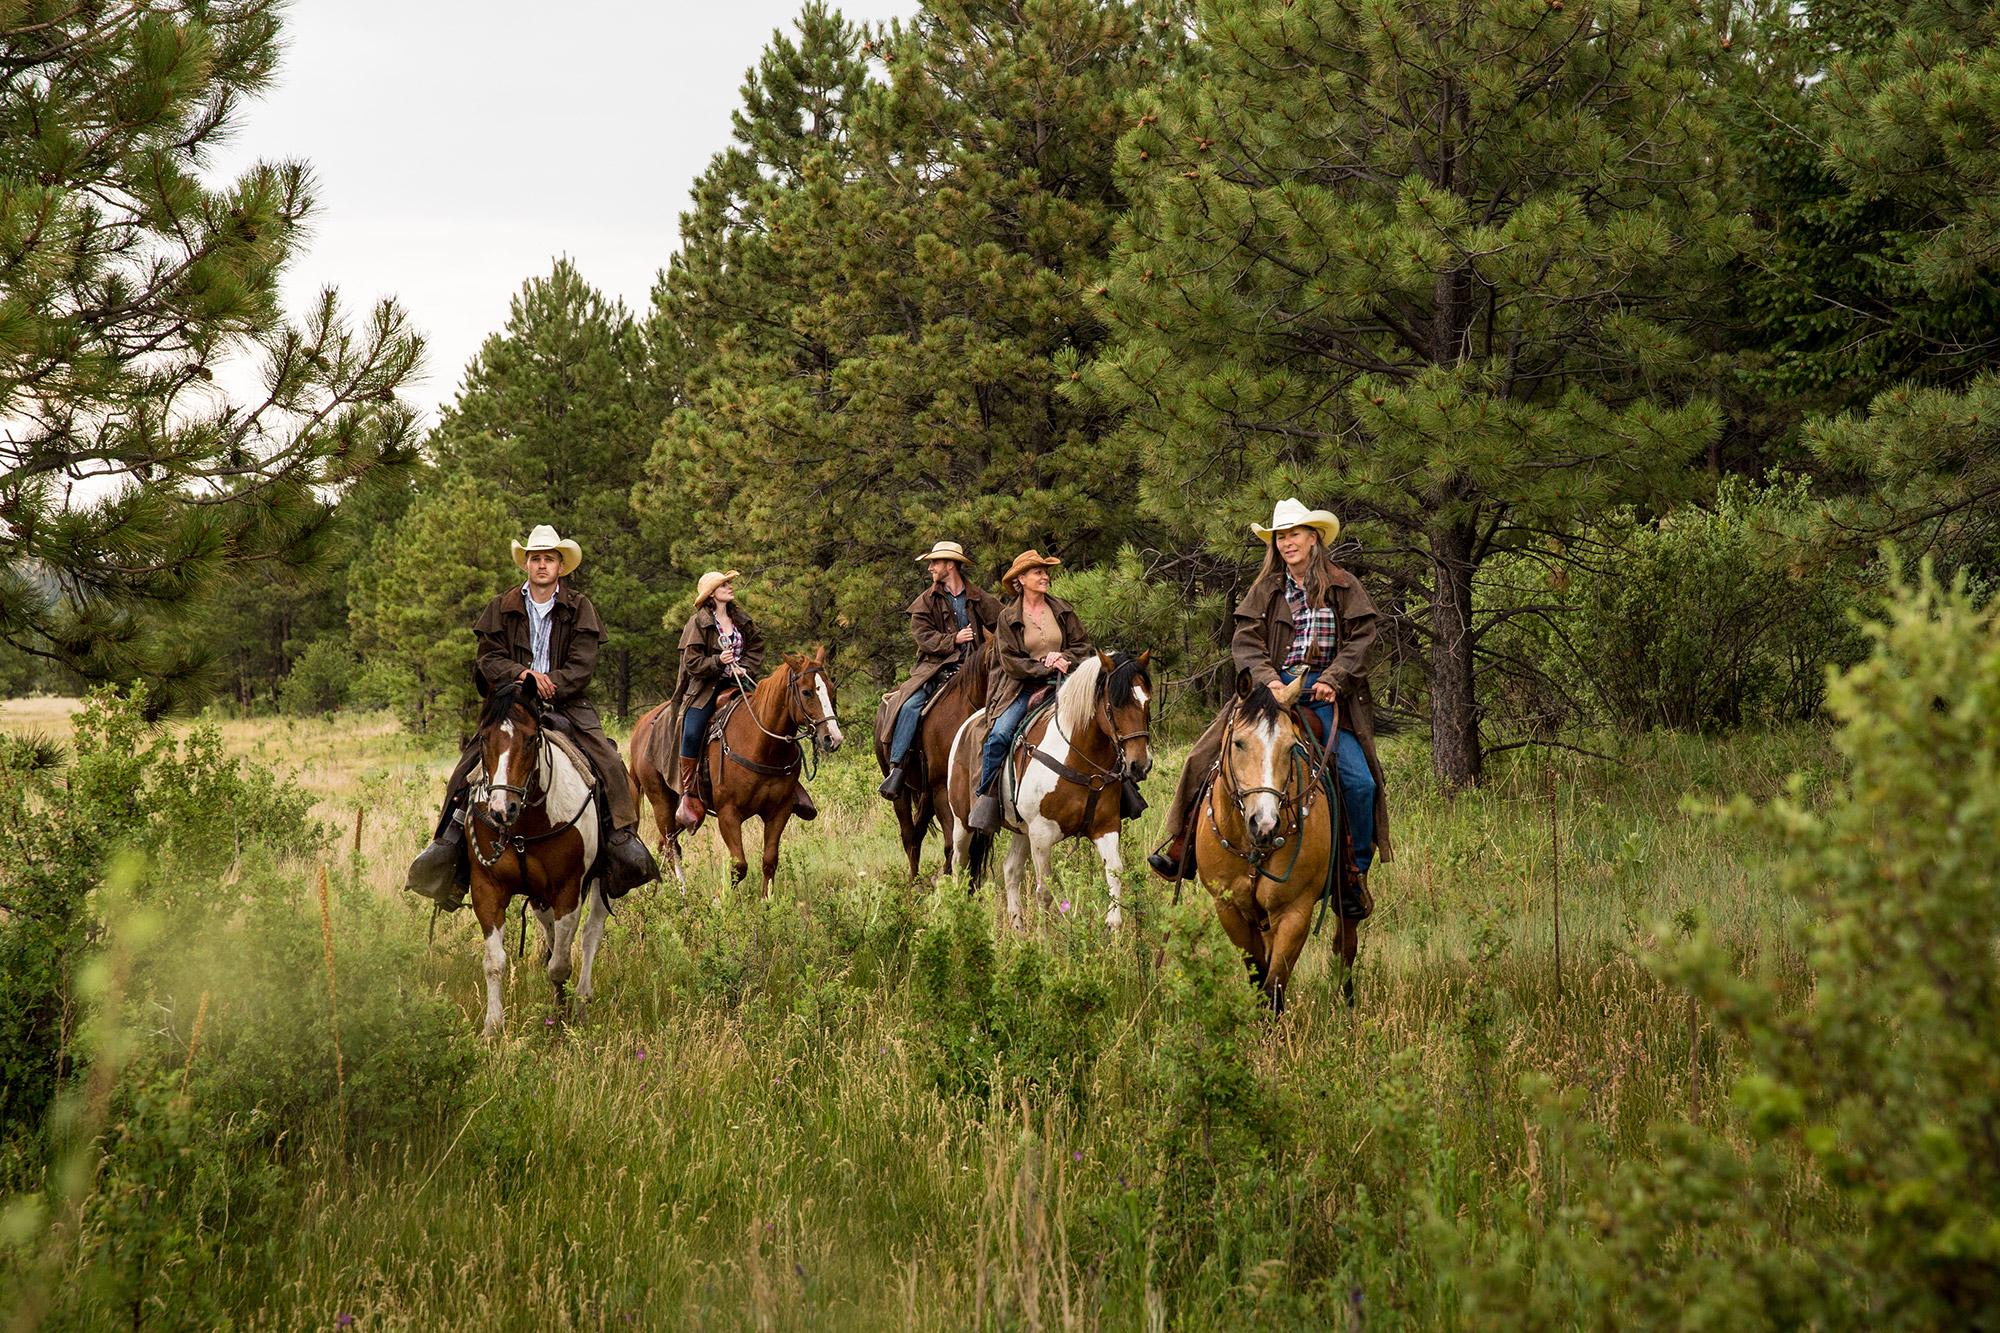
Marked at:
<point>927,795</point>
<point>1073,766</point>
<point>532,831</point>
<point>1266,830</point>
<point>755,753</point>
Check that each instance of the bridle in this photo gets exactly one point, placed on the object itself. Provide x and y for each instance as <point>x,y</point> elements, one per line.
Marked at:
<point>1305,775</point>
<point>534,793</point>
<point>1098,778</point>
<point>808,728</point>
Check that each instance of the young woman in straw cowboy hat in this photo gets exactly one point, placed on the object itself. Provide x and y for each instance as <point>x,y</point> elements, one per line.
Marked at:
<point>1039,640</point>
<point>1304,616</point>
<point>548,633</point>
<point>945,619</point>
<point>720,646</point>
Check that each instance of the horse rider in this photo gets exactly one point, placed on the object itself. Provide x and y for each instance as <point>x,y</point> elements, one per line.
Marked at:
<point>1303,616</point>
<point>548,633</point>
<point>1038,639</point>
<point>945,620</point>
<point>721,647</point>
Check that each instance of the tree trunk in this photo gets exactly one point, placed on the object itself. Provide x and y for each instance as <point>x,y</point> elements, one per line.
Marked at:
<point>1455,753</point>
<point>624,684</point>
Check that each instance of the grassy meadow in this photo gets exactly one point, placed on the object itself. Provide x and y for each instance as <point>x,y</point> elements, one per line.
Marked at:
<point>861,1105</point>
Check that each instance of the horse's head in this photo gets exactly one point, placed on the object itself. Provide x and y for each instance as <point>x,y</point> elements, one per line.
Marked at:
<point>1257,758</point>
<point>813,698</point>
<point>1125,709</point>
<point>510,735</point>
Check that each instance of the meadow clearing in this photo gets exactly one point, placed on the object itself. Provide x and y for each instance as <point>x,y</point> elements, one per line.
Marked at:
<point>859,1104</point>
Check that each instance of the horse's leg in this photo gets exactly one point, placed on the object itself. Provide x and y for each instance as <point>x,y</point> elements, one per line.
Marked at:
<point>1246,937</point>
<point>1114,876</point>
<point>774,829</point>
<point>593,935</point>
<point>1042,835</point>
<point>489,905</point>
<point>961,844</point>
<point>545,926</point>
<point>559,947</point>
<point>1288,940</point>
<point>1013,872</point>
<point>730,824</point>
<point>1350,949</point>
<point>912,830</point>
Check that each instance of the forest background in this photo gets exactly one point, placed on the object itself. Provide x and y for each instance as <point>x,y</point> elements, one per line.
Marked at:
<point>1644,350</point>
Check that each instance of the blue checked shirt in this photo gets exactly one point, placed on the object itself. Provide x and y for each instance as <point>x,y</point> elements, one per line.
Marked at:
<point>1318,637</point>
<point>538,627</point>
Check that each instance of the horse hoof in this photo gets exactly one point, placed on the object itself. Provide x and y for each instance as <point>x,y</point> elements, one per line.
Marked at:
<point>1114,918</point>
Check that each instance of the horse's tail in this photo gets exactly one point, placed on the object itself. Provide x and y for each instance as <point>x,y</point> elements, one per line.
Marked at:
<point>977,852</point>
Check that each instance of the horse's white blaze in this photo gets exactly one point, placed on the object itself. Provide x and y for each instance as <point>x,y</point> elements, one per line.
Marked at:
<point>1114,869</point>
<point>826,706</point>
<point>496,966</point>
<point>1262,807</point>
<point>1139,693</point>
<point>497,801</point>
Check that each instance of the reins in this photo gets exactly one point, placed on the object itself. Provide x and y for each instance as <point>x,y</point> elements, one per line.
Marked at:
<point>1308,762</point>
<point>803,757</point>
<point>505,839</point>
<point>1100,778</point>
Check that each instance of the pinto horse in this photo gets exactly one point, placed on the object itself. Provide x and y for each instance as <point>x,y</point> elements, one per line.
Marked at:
<point>927,797</point>
<point>1072,766</point>
<point>531,829</point>
<point>1265,838</point>
<point>755,753</point>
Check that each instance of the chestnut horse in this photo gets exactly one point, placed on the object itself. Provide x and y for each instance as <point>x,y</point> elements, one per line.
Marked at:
<point>755,754</point>
<point>1265,834</point>
<point>927,796</point>
<point>1072,766</point>
<point>531,831</point>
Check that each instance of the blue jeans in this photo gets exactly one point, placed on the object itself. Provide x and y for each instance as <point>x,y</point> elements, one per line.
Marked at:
<point>1357,781</point>
<point>908,719</point>
<point>694,729</point>
<point>1001,739</point>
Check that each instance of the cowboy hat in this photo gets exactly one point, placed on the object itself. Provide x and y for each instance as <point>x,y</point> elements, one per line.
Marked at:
<point>544,538</point>
<point>1289,513</point>
<point>1027,560</point>
<point>712,580</point>
<point>944,551</point>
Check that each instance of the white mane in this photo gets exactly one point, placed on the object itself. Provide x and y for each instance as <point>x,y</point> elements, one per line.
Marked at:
<point>1077,698</point>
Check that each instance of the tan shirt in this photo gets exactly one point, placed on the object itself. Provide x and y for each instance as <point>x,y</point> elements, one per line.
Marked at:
<point>1041,635</point>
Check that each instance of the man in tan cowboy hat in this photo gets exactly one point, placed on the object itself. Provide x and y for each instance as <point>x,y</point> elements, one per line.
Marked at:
<point>546,633</point>
<point>945,620</point>
<point>1304,617</point>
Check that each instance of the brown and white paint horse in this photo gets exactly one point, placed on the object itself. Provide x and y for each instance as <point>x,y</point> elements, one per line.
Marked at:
<point>1098,735</point>
<point>754,764</point>
<point>532,830</point>
<point>1264,838</point>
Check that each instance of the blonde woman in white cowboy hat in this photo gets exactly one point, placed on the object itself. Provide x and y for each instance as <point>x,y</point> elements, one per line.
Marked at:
<point>1303,616</point>
<point>547,633</point>
<point>945,619</point>
<point>1039,640</point>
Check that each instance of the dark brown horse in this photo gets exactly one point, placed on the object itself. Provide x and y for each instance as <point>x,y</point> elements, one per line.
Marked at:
<point>1265,834</point>
<point>926,796</point>
<point>1071,766</point>
<point>531,831</point>
<point>754,757</point>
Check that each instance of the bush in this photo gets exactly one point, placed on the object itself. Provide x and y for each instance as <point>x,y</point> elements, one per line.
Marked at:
<point>321,679</point>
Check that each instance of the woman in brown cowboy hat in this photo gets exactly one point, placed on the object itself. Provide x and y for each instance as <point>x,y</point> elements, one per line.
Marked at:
<point>945,619</point>
<point>1303,616</point>
<point>720,645</point>
<point>1039,639</point>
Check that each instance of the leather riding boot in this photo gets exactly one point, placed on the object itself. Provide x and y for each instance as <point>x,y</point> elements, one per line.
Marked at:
<point>628,863</point>
<point>440,872</point>
<point>986,816</point>
<point>1356,902</point>
<point>1174,862</point>
<point>802,803</point>
<point>692,810</point>
<point>892,785</point>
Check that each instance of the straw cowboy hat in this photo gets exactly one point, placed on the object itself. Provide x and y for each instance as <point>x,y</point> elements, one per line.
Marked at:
<point>1289,513</point>
<point>944,551</point>
<point>544,538</point>
<point>1024,562</point>
<point>712,580</point>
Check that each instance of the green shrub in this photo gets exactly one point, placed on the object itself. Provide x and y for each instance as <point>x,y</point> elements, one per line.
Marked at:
<point>321,678</point>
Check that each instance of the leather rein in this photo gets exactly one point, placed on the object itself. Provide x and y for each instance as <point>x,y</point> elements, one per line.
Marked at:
<point>807,729</point>
<point>504,838</point>
<point>1307,765</point>
<point>1099,778</point>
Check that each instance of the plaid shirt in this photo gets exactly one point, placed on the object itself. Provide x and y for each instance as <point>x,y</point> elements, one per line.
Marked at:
<point>1318,634</point>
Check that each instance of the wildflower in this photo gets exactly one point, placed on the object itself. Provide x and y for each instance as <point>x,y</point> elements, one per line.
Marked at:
<point>1065,904</point>
<point>344,1319</point>
<point>548,1022</point>
<point>1076,1155</point>
<point>642,1053</point>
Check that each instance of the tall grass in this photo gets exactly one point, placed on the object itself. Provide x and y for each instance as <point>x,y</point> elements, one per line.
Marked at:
<point>764,1122</point>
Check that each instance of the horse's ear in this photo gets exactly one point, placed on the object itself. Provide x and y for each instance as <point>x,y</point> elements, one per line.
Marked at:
<point>819,655</point>
<point>1244,685</point>
<point>1104,661</point>
<point>1289,695</point>
<point>1145,657</point>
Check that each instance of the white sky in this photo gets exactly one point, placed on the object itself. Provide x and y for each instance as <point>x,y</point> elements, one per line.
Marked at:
<point>459,148</point>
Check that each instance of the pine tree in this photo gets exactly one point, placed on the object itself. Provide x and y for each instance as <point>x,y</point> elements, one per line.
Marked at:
<point>1431,264</point>
<point>930,264</point>
<point>133,479</point>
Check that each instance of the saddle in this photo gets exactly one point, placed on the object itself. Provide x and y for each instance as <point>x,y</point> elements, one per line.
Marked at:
<point>1040,701</point>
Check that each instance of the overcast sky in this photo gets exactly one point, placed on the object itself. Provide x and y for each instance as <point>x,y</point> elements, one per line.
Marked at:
<point>459,148</point>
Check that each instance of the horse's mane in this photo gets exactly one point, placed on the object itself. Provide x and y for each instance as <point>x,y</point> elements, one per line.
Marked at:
<point>503,701</point>
<point>977,663</point>
<point>1076,699</point>
<point>1125,673</point>
<point>1260,705</point>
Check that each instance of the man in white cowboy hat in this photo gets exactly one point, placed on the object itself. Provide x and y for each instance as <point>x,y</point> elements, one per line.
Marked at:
<point>546,633</point>
<point>1304,616</point>
<point>946,619</point>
